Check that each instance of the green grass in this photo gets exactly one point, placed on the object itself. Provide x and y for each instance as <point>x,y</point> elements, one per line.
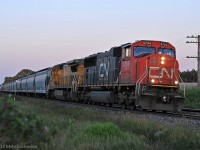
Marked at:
<point>17,127</point>
<point>192,98</point>
<point>84,129</point>
<point>106,136</point>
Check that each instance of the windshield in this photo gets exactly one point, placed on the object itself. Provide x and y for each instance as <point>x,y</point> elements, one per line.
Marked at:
<point>141,51</point>
<point>166,51</point>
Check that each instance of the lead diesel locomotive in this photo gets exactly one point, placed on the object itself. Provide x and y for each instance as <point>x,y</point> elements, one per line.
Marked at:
<point>144,74</point>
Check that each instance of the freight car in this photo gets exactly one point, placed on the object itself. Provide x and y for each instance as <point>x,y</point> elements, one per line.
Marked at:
<point>34,84</point>
<point>144,74</point>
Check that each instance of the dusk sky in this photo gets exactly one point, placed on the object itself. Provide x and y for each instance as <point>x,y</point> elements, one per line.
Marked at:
<point>35,34</point>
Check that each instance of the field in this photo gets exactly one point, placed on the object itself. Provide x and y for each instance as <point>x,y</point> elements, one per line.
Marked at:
<point>189,85</point>
<point>192,98</point>
<point>53,126</point>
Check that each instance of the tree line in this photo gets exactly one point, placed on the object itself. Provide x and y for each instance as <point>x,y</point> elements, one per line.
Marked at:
<point>22,73</point>
<point>189,76</point>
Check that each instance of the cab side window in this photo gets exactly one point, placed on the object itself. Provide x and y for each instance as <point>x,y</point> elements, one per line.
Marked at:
<point>126,52</point>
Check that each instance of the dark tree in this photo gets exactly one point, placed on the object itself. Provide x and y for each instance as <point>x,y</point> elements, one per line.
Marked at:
<point>19,75</point>
<point>189,76</point>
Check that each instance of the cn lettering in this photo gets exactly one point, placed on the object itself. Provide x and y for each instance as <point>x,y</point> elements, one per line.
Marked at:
<point>161,73</point>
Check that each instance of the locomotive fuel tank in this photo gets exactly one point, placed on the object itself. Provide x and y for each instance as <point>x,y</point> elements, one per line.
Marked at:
<point>101,96</point>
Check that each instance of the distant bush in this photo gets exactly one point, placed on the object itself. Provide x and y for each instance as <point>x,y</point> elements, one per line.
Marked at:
<point>192,98</point>
<point>17,127</point>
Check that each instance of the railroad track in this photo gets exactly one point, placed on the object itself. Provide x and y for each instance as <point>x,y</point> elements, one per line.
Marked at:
<point>117,108</point>
<point>191,113</point>
<point>186,113</point>
<point>191,110</point>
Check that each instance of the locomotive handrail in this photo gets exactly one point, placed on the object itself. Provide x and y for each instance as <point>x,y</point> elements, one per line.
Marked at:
<point>142,78</point>
<point>180,79</point>
<point>137,90</point>
<point>174,71</point>
<point>183,85</point>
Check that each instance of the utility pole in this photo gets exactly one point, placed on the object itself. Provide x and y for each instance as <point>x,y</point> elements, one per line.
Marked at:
<point>198,56</point>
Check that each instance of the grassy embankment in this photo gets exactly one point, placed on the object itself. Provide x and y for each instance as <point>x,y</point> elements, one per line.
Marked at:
<point>192,99</point>
<point>56,127</point>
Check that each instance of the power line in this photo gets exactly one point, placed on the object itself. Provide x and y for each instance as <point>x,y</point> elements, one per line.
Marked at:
<point>178,41</point>
<point>191,57</point>
<point>197,57</point>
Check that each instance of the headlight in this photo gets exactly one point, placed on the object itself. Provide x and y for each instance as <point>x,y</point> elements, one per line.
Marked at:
<point>162,58</point>
<point>162,62</point>
<point>176,82</point>
<point>152,81</point>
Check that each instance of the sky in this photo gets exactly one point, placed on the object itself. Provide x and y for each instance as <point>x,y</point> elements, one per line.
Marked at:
<point>35,34</point>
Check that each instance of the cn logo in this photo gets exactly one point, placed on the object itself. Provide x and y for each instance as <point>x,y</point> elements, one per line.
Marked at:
<point>161,72</point>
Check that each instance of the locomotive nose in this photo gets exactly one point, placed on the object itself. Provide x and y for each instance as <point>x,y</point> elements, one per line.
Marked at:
<point>162,70</point>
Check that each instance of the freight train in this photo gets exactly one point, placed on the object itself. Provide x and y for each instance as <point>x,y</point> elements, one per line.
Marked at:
<point>143,74</point>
